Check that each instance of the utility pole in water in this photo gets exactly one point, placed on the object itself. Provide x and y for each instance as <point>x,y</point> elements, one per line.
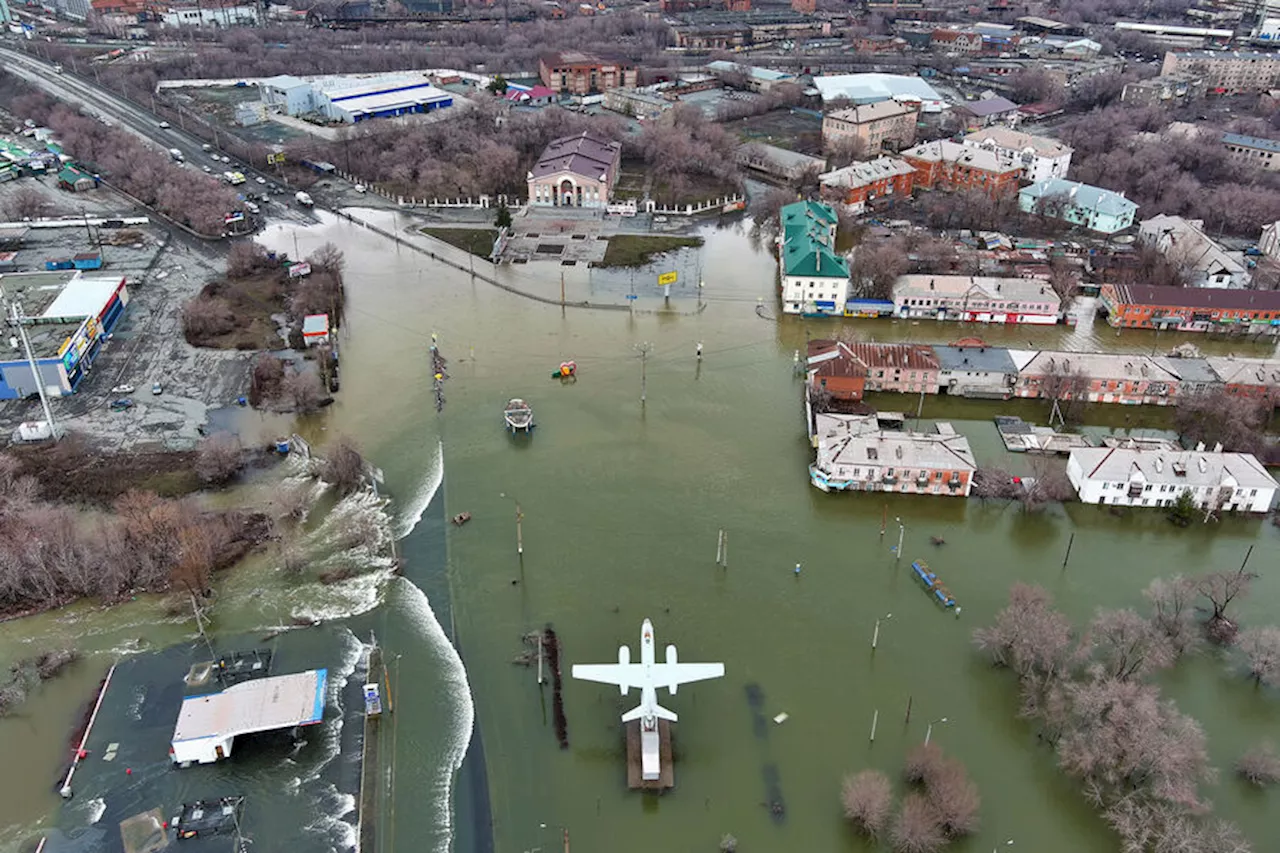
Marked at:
<point>644,348</point>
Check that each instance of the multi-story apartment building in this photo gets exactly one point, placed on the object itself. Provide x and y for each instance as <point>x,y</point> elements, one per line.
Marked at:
<point>1191,309</point>
<point>1253,151</point>
<point>859,183</point>
<point>1039,157</point>
<point>1216,481</point>
<point>880,126</point>
<point>1172,90</point>
<point>854,454</point>
<point>1226,72</point>
<point>1093,207</point>
<point>949,165</point>
<point>815,280</point>
<point>582,74</point>
<point>976,299</point>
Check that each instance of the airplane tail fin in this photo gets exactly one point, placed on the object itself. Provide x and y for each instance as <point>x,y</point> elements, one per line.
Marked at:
<point>660,712</point>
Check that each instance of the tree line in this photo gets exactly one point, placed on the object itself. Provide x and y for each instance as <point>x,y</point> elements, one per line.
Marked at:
<point>1139,760</point>
<point>183,194</point>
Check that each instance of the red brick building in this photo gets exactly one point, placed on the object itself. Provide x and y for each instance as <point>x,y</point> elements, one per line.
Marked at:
<point>804,7</point>
<point>832,367</point>
<point>581,74</point>
<point>947,165</point>
<point>958,41</point>
<point>858,184</point>
<point>905,368</point>
<point>1191,309</point>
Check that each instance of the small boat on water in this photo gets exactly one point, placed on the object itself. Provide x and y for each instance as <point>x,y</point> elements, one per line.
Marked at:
<point>518,415</point>
<point>461,518</point>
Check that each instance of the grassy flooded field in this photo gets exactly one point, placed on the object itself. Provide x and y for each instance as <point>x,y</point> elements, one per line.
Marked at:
<point>632,250</point>
<point>477,241</point>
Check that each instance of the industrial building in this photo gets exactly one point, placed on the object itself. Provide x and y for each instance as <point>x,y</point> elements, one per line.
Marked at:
<point>353,99</point>
<point>66,316</point>
<point>207,725</point>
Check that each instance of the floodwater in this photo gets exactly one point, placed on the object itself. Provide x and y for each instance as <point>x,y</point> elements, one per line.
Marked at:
<point>621,505</point>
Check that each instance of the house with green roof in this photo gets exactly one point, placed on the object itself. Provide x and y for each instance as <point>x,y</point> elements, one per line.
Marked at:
<point>74,179</point>
<point>815,279</point>
<point>1093,207</point>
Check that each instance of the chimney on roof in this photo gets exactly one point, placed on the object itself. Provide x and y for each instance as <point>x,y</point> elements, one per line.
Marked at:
<point>1203,464</point>
<point>1159,465</point>
<point>898,451</point>
<point>1217,448</point>
<point>1199,447</point>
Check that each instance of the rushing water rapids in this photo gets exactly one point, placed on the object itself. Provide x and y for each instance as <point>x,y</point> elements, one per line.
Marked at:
<point>621,507</point>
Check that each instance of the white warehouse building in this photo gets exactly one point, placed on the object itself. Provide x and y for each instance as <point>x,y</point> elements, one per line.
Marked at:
<point>353,99</point>
<point>1120,476</point>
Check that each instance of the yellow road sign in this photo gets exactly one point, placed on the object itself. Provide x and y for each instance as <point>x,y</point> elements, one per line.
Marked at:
<point>668,278</point>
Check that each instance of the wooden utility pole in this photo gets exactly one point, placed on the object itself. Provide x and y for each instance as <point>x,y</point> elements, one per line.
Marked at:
<point>519,530</point>
<point>562,294</point>
<point>908,719</point>
<point>1067,556</point>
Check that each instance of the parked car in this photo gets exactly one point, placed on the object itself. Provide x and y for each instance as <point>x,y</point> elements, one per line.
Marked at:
<point>206,147</point>
<point>360,188</point>
<point>157,388</point>
<point>164,125</point>
<point>260,179</point>
<point>121,405</point>
<point>122,389</point>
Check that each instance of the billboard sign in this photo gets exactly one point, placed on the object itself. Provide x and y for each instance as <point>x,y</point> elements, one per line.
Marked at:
<point>668,278</point>
<point>75,346</point>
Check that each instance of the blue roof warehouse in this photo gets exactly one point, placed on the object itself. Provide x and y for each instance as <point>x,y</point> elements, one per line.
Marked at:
<point>67,316</point>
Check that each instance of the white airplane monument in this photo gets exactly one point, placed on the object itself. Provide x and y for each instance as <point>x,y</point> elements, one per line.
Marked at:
<point>648,675</point>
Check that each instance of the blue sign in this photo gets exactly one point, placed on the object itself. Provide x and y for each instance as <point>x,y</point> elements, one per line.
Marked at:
<point>632,296</point>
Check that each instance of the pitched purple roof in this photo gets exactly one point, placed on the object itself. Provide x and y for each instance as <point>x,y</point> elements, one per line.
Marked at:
<point>989,106</point>
<point>586,154</point>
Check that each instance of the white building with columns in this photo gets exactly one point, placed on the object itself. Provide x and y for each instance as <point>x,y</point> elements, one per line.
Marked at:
<point>575,171</point>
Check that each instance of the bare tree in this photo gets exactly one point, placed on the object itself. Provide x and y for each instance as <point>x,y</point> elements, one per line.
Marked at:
<point>1048,483</point>
<point>868,801</point>
<point>993,482</point>
<point>328,258</point>
<point>923,764</point>
<point>1238,423</point>
<point>28,203</point>
<point>219,458</point>
<point>1260,764</point>
<point>1222,588</point>
<point>1126,646</point>
<point>304,389</point>
<point>1262,648</point>
<point>875,268</point>
<point>205,317</point>
<point>267,379</point>
<point>246,258</point>
<point>916,829</point>
<point>728,844</point>
<point>1173,611</point>
<point>955,799</point>
<point>343,466</point>
<point>1028,635</point>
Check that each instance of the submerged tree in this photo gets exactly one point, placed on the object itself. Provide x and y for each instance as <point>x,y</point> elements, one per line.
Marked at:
<point>1260,765</point>
<point>1173,611</point>
<point>1222,588</point>
<point>1126,646</point>
<point>917,830</point>
<point>868,801</point>
<point>1028,635</point>
<point>1262,647</point>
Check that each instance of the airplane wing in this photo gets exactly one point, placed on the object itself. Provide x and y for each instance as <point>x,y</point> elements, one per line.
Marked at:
<point>622,675</point>
<point>670,674</point>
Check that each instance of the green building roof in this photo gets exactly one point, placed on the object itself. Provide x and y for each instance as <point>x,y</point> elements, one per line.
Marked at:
<point>808,241</point>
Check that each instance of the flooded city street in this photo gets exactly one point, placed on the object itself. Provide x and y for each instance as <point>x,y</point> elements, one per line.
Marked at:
<point>621,502</point>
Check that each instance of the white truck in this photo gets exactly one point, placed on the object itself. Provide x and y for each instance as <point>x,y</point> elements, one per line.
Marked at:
<point>176,155</point>
<point>233,178</point>
<point>304,199</point>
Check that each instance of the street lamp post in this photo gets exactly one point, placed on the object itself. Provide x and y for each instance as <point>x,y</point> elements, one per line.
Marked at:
<point>928,732</point>
<point>902,533</point>
<point>519,527</point>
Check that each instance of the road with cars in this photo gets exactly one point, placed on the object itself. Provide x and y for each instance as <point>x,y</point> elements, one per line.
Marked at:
<point>157,133</point>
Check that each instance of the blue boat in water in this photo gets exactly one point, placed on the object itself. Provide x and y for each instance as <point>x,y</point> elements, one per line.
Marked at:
<point>931,583</point>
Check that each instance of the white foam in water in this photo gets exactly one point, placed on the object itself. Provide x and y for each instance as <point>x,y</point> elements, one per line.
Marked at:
<point>424,495</point>
<point>424,620</point>
<point>96,808</point>
<point>331,731</point>
<point>333,805</point>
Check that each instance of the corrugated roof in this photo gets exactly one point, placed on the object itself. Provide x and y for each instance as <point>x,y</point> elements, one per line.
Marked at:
<point>860,174</point>
<point>1250,142</point>
<point>946,151</point>
<point>1083,196</point>
<point>807,243</point>
<point>259,705</point>
<point>1196,297</point>
<point>987,359</point>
